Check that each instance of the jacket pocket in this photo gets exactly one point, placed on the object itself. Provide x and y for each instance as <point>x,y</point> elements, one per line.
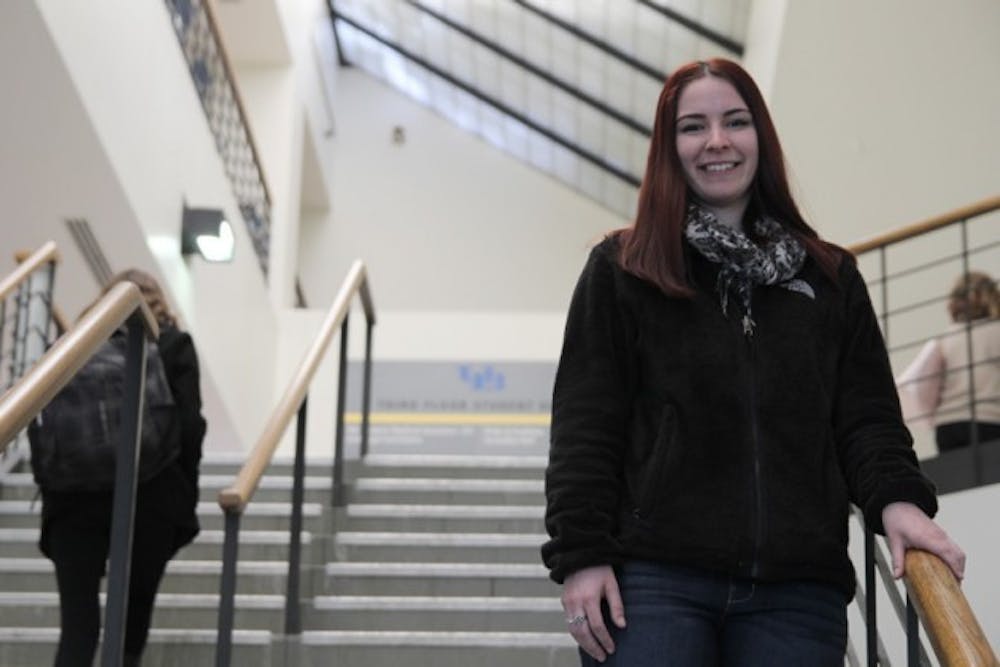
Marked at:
<point>660,466</point>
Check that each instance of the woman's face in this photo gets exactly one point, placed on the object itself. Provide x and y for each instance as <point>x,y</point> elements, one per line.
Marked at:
<point>716,142</point>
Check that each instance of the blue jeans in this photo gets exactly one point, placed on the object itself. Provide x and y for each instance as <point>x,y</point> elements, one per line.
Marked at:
<point>680,617</point>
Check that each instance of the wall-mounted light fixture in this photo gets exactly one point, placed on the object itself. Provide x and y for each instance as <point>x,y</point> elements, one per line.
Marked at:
<point>205,231</point>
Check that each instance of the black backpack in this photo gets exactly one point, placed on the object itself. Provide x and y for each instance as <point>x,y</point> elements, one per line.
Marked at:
<point>74,439</point>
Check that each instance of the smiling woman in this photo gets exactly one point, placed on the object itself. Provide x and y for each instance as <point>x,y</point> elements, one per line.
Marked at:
<point>722,396</point>
<point>717,147</point>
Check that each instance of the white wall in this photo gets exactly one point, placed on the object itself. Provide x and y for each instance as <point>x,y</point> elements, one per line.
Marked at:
<point>444,221</point>
<point>275,115</point>
<point>887,110</point>
<point>134,94</point>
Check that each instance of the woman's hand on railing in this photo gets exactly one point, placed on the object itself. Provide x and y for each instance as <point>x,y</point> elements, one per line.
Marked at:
<point>907,527</point>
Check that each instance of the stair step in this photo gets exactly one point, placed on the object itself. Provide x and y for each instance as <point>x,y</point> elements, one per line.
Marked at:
<point>438,547</point>
<point>440,649</point>
<point>253,544</point>
<point>37,646</point>
<point>439,490</point>
<point>173,610</point>
<point>453,465</point>
<point>437,613</point>
<point>258,515</point>
<point>437,563</point>
<point>414,578</point>
<point>441,518</point>
<point>182,576</point>
<point>276,488</point>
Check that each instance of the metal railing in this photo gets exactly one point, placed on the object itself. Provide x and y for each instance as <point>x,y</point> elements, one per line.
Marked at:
<point>26,319</point>
<point>907,278</point>
<point>213,78</point>
<point>234,499</point>
<point>933,601</point>
<point>18,406</point>
<point>613,163</point>
<point>910,274</point>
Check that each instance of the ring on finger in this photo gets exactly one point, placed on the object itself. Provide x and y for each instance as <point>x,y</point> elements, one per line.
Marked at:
<point>576,620</point>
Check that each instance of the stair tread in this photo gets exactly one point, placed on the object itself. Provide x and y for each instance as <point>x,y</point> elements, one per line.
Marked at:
<point>177,565</point>
<point>449,539</point>
<point>443,638</point>
<point>447,484</point>
<point>247,536</point>
<point>381,568</point>
<point>457,461</point>
<point>205,481</point>
<point>205,508</point>
<point>182,600</point>
<point>437,603</point>
<point>156,635</point>
<point>410,510</point>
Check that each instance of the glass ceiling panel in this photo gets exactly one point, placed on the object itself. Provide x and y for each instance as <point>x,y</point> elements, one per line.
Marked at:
<point>588,148</point>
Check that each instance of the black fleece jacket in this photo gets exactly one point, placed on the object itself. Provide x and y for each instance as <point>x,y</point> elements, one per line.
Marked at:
<point>677,438</point>
<point>171,496</point>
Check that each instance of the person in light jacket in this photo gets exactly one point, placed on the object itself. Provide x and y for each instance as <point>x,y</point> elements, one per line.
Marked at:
<point>723,395</point>
<point>937,390</point>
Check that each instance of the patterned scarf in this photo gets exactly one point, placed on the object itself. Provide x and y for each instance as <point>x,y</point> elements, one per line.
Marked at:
<point>744,264</point>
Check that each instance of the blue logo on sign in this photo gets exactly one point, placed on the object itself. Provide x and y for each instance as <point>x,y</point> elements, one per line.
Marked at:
<point>482,378</point>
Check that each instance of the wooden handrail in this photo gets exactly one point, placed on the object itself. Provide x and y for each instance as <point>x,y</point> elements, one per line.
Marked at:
<point>36,259</point>
<point>236,496</point>
<point>33,391</point>
<point>946,615</point>
<point>916,229</point>
<point>28,265</point>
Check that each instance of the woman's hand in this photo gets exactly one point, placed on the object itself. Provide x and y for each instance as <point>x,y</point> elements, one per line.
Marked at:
<point>582,594</point>
<point>907,527</point>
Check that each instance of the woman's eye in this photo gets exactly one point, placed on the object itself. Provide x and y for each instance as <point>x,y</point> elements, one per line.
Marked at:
<point>740,122</point>
<point>688,128</point>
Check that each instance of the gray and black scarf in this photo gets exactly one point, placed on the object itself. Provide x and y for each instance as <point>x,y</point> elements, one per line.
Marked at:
<point>744,264</point>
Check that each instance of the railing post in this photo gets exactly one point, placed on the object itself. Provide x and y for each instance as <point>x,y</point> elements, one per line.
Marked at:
<point>338,496</point>
<point>884,277</point>
<point>123,508</point>
<point>871,625</point>
<point>3,325</point>
<point>912,635</point>
<point>19,336</point>
<point>293,617</point>
<point>227,590</point>
<point>977,467</point>
<point>366,389</point>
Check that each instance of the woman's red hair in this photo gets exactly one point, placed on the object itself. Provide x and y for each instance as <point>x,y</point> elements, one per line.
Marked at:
<point>653,247</point>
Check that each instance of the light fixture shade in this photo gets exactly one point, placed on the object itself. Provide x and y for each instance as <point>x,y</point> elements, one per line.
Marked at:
<point>206,232</point>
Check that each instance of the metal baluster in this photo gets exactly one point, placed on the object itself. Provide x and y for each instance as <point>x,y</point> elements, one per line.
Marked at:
<point>123,508</point>
<point>293,617</point>
<point>367,389</point>
<point>338,496</point>
<point>977,468</point>
<point>871,626</point>
<point>912,635</point>
<point>227,590</point>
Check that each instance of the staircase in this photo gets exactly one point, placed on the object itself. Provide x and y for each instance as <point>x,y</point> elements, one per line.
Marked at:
<point>434,561</point>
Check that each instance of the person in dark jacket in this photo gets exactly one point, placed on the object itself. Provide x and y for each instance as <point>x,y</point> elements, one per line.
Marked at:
<point>76,526</point>
<point>722,396</point>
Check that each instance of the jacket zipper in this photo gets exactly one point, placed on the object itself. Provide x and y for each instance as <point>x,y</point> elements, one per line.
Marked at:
<point>755,437</point>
